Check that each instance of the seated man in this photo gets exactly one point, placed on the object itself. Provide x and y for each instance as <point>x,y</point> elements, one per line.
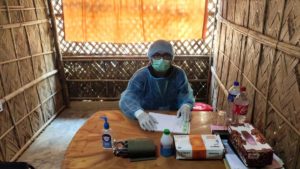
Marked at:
<point>158,86</point>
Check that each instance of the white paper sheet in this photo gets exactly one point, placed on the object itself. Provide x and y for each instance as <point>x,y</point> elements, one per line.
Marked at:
<point>171,122</point>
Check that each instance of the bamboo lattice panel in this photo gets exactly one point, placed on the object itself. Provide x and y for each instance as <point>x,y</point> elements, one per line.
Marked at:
<point>261,49</point>
<point>195,47</point>
<point>107,78</point>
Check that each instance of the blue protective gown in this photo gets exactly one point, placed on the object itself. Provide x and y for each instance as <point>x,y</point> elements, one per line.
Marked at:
<point>144,91</point>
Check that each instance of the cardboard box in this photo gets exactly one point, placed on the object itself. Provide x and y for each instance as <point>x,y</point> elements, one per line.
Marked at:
<point>198,147</point>
<point>250,145</point>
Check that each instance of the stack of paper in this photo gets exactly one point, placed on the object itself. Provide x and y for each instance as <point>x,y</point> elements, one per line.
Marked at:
<point>171,122</point>
<point>231,160</point>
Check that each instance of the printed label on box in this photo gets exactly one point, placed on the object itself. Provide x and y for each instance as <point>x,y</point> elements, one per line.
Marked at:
<point>198,147</point>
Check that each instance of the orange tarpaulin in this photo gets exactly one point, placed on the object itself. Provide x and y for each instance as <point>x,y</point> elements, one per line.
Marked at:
<point>130,21</point>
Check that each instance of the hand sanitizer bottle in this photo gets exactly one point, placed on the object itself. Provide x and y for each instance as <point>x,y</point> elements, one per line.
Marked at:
<point>166,144</point>
<point>106,135</point>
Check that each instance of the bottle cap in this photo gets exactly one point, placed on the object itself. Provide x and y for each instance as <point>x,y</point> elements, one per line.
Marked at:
<point>243,89</point>
<point>167,131</point>
<point>106,124</point>
<point>236,83</point>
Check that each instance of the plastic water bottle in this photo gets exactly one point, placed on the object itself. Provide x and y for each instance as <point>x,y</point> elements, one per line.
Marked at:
<point>240,106</point>
<point>234,90</point>
<point>166,144</point>
<point>106,135</point>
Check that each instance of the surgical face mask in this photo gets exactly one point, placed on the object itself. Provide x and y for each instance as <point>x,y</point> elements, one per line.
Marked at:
<point>161,65</point>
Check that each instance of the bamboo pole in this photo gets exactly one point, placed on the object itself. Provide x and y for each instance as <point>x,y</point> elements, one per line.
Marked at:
<point>11,7</point>
<point>43,50</point>
<point>26,57</point>
<point>95,98</point>
<point>289,49</point>
<point>44,101</point>
<point>278,112</point>
<point>261,38</point>
<point>119,80</point>
<point>126,58</point>
<point>219,81</point>
<point>216,54</point>
<point>208,87</point>
<point>230,50</point>
<point>230,54</point>
<point>28,85</point>
<point>225,13</point>
<point>17,25</point>
<point>210,13</point>
<point>59,60</point>
<point>222,65</point>
<point>18,8</point>
<point>32,111</point>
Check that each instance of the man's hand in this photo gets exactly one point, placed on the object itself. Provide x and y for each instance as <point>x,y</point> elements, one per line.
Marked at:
<point>184,112</point>
<point>146,121</point>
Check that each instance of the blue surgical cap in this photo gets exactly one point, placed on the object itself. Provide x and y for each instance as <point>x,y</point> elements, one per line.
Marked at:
<point>160,46</point>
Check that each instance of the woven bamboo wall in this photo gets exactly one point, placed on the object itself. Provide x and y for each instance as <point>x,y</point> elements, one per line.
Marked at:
<point>30,87</point>
<point>89,70</point>
<point>106,77</point>
<point>258,44</point>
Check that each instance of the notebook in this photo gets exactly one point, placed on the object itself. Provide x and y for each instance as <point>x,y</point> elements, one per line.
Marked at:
<point>171,122</point>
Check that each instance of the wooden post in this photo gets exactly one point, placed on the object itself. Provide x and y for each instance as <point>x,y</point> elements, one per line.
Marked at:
<point>59,60</point>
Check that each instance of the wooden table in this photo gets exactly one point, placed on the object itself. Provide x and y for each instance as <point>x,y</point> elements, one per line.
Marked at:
<point>85,150</point>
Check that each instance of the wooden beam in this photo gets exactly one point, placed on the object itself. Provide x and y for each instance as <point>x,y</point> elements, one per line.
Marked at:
<point>128,58</point>
<point>59,59</point>
<point>119,80</point>
<point>26,57</point>
<point>17,25</point>
<point>18,8</point>
<point>28,85</point>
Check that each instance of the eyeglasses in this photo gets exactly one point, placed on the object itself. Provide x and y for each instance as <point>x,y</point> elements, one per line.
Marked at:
<point>165,56</point>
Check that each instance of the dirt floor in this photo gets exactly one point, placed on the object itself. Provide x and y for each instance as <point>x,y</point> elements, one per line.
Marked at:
<point>47,151</point>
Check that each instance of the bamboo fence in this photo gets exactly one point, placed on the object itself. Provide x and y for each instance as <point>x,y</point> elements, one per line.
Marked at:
<point>102,70</point>
<point>105,78</point>
<point>30,77</point>
<point>258,45</point>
